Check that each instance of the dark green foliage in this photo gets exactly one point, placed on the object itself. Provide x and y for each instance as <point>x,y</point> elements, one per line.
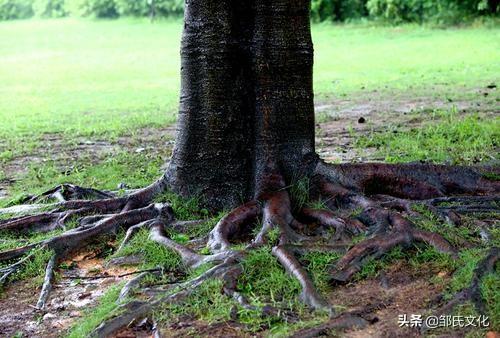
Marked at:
<point>338,10</point>
<point>157,8</point>
<point>98,8</point>
<point>168,7</point>
<point>391,11</point>
<point>16,9</point>
<point>50,8</point>
<point>440,11</point>
<point>398,11</point>
<point>133,8</point>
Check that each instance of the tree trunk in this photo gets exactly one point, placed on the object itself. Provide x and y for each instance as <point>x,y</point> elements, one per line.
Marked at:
<point>246,106</point>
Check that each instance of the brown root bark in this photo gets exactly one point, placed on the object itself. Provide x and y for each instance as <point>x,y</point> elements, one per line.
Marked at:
<point>382,195</point>
<point>473,292</point>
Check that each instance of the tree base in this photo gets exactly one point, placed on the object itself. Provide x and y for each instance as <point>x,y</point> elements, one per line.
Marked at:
<point>374,199</point>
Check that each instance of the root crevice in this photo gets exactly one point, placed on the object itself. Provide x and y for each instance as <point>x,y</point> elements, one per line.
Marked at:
<point>376,200</point>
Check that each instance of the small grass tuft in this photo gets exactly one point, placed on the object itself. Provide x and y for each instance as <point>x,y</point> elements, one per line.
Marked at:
<point>207,302</point>
<point>184,208</point>
<point>468,260</point>
<point>492,176</point>
<point>34,267</point>
<point>299,192</point>
<point>265,280</point>
<point>105,309</point>
<point>416,255</point>
<point>153,254</point>
<point>465,234</point>
<point>318,205</point>
<point>318,265</point>
<point>450,138</point>
<point>490,292</point>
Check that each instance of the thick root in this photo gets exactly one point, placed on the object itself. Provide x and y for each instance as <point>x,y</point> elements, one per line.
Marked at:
<point>310,295</point>
<point>472,292</point>
<point>47,282</point>
<point>382,196</point>
<point>67,192</point>
<point>411,181</point>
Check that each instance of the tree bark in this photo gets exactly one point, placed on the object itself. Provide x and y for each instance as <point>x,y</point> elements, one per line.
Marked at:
<point>246,106</point>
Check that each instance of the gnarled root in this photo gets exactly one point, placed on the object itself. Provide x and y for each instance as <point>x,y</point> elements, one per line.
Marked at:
<point>357,319</point>
<point>473,291</point>
<point>371,199</point>
<point>47,282</point>
<point>127,212</point>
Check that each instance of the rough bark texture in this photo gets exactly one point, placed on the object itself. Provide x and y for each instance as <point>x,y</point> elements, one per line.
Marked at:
<point>246,99</point>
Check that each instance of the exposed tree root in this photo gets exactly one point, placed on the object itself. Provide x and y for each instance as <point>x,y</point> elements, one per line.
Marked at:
<point>132,284</point>
<point>340,322</point>
<point>472,292</point>
<point>348,320</point>
<point>309,295</point>
<point>67,192</point>
<point>372,199</point>
<point>47,282</point>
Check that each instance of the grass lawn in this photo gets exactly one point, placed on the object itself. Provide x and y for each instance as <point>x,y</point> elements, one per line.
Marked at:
<point>102,79</point>
<point>88,77</point>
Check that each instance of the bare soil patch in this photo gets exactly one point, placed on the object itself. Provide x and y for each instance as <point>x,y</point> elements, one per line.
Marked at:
<point>399,290</point>
<point>340,121</point>
<point>77,289</point>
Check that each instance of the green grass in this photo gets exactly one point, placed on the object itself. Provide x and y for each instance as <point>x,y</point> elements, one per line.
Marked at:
<point>135,170</point>
<point>32,269</point>
<point>86,77</point>
<point>408,59</point>
<point>93,77</point>
<point>206,303</point>
<point>445,137</point>
<point>263,282</point>
<point>490,291</point>
<point>153,255</point>
<point>462,277</point>
<point>106,307</point>
<point>458,236</point>
<point>319,266</point>
<point>12,241</point>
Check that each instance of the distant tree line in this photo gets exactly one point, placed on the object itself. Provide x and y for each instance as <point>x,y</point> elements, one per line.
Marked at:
<point>391,11</point>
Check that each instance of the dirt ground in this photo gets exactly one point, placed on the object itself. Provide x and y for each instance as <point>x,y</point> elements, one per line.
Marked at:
<point>399,290</point>
<point>76,289</point>
<point>338,125</point>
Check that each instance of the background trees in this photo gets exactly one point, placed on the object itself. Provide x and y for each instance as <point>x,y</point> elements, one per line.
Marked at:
<point>392,11</point>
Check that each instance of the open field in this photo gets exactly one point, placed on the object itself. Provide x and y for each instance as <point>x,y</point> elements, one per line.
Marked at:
<point>87,77</point>
<point>93,103</point>
<point>72,86</point>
